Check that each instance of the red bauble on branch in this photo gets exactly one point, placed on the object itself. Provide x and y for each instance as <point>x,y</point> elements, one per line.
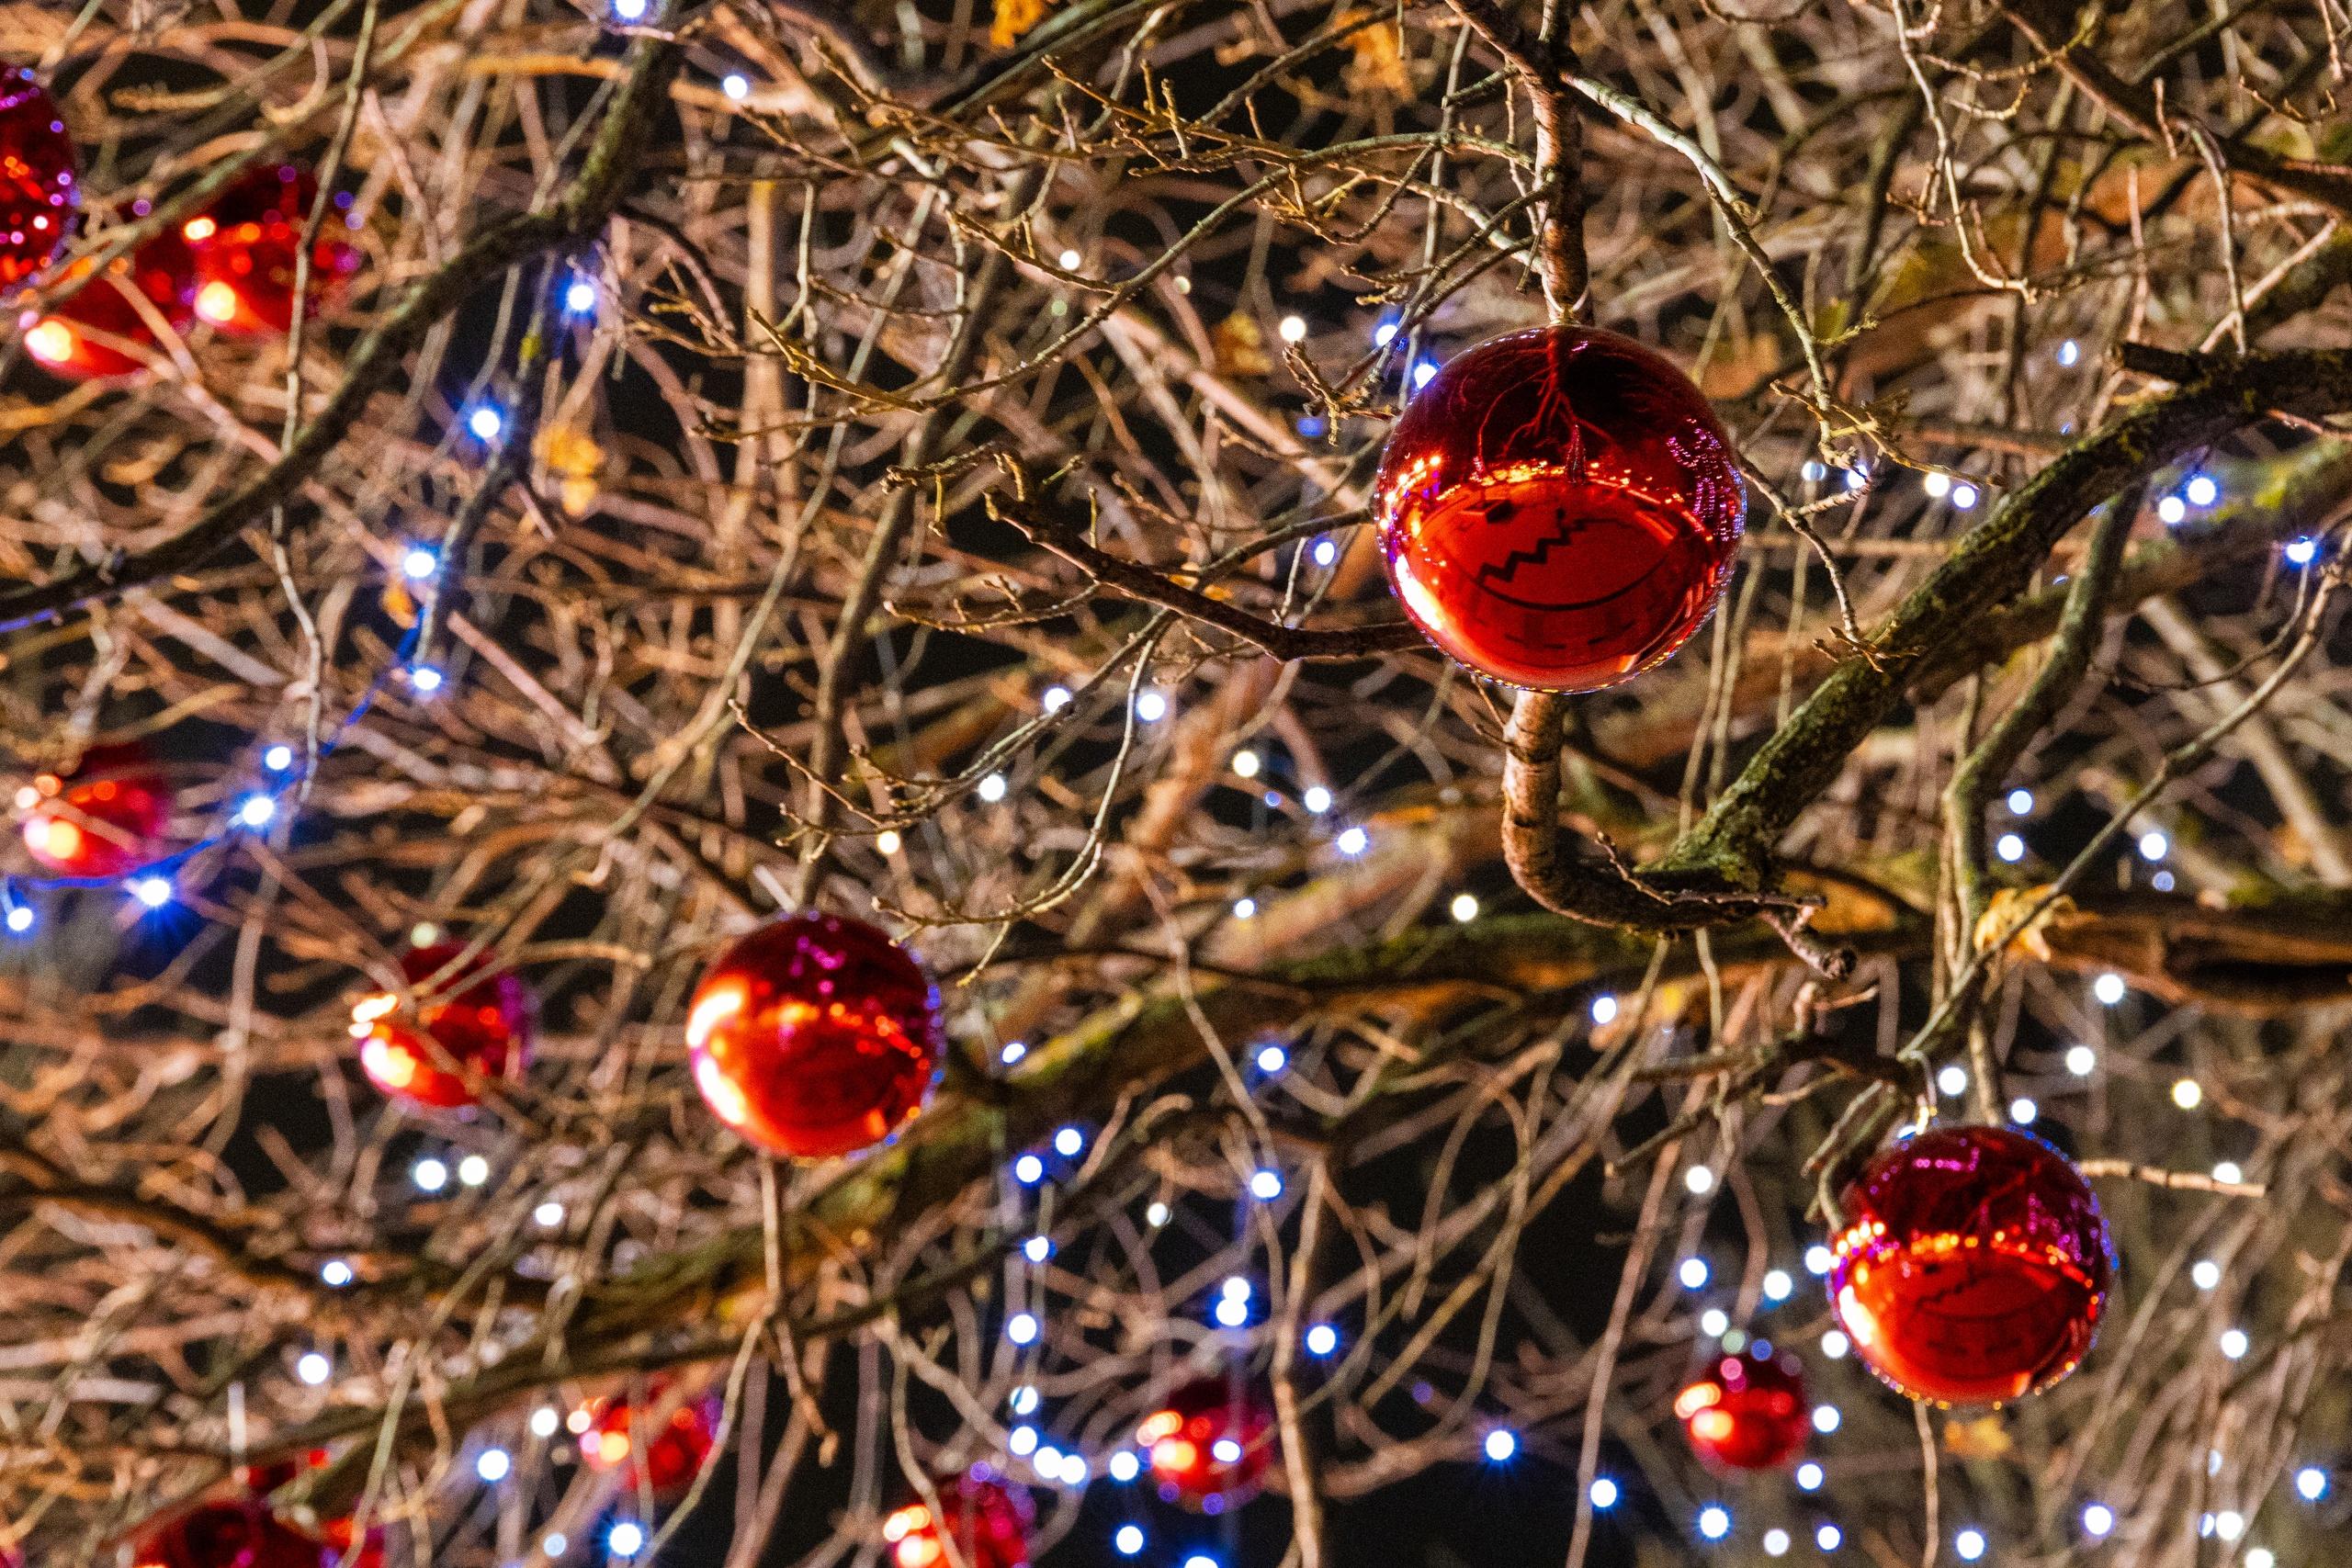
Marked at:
<point>663,1454</point>
<point>106,819</point>
<point>477,1019</point>
<point>246,243</point>
<point>988,1521</point>
<point>1559,508</point>
<point>39,188</point>
<point>1748,1410</point>
<point>1208,1445</point>
<point>814,1036</point>
<point>95,331</point>
<point>1973,1266</point>
<point>241,1534</point>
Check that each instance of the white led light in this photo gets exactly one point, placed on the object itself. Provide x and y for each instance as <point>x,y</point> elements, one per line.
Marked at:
<point>1937,485</point>
<point>626,1539</point>
<point>1828,1538</point>
<point>1266,1186</point>
<point>1048,1462</point>
<point>2228,1524</point>
<point>1069,260</point>
<point>2228,1171</point>
<point>257,811</point>
<point>1834,1343</point>
<point>1501,1444</point>
<point>1776,1544</point>
<point>1604,1492</point>
<point>2081,1061</point>
<point>1021,1440</point>
<point>1231,1314</point>
<point>1293,329</point>
<point>1712,1322</point>
<point>2098,1518</point>
<point>425,678</point>
<point>493,1464</point>
<point>313,1367</point>
<point>1128,1540</point>
<point>1857,477</point>
<point>1200,1560</point>
<point>1024,1400</point>
<point>2109,988</point>
<point>1715,1521</point>
<point>429,1174</point>
<point>1022,1328</point>
<point>2205,1274</point>
<point>1038,1248</point>
<point>2154,845</point>
<point>1693,1273</point>
<point>1069,1143</point>
<point>1245,908</point>
<point>1151,706</point>
<point>1604,1010</point>
<point>1322,1339</point>
<point>486,423</point>
<point>1699,1180</point>
<point>735,86</point>
<point>1352,841</point>
<point>629,11</point>
<point>2302,552</point>
<point>1028,1170</point>
<point>1317,799</point>
<point>1953,1079</point>
<point>2310,1484</point>
<point>2171,510</point>
<point>1969,1544</point>
<point>1423,373</point>
<point>1383,334</point>
<point>152,890</point>
<point>418,562</point>
<point>992,788</point>
<point>1825,1418</point>
<point>1325,552</point>
<point>2260,1556</point>
<point>335,1273</point>
<point>1814,470</point>
<point>2009,847</point>
<point>1054,698</point>
<point>2202,490</point>
<point>1272,1059</point>
<point>278,758</point>
<point>1964,496</point>
<point>1464,908</point>
<point>1157,1214</point>
<point>1809,1477</point>
<point>545,1421</point>
<point>2188,1093</point>
<point>2022,1112</point>
<point>1246,763</point>
<point>1125,1466</point>
<point>2020,802</point>
<point>2234,1344</point>
<point>2069,352</point>
<point>580,294</point>
<point>1778,1285</point>
<point>1013,1052</point>
<point>473,1171</point>
<point>1817,1260</point>
<point>555,1543</point>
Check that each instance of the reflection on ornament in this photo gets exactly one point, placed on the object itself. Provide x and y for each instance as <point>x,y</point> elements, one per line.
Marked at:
<point>242,1534</point>
<point>485,1027</point>
<point>246,244</point>
<point>1973,1266</point>
<point>663,1460</point>
<point>1746,1410</point>
<point>104,820</point>
<point>38,188</point>
<point>814,1036</point>
<point>1559,508</point>
<point>987,1521</point>
<point>1209,1444</point>
<point>106,327</point>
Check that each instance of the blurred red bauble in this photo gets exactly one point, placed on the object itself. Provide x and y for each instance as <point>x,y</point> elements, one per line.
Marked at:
<point>92,333</point>
<point>242,1534</point>
<point>1208,1445</point>
<point>988,1521</point>
<point>246,243</point>
<point>39,184</point>
<point>664,1459</point>
<point>478,1018</point>
<point>815,1036</point>
<point>1747,1410</point>
<point>1971,1266</point>
<point>1559,508</point>
<point>104,820</point>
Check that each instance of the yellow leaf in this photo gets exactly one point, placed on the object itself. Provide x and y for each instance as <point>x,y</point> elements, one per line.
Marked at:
<point>572,456</point>
<point>1240,346</point>
<point>1014,18</point>
<point>1379,62</point>
<point>1985,1438</point>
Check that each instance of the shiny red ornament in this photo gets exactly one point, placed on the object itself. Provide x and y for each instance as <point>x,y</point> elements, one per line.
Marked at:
<point>988,1521</point>
<point>1559,508</point>
<point>241,1534</point>
<point>664,1459</point>
<point>246,244</point>
<point>100,330</point>
<point>478,1018</point>
<point>815,1036</point>
<point>1208,1446</point>
<point>1973,1266</point>
<point>1748,1410</point>
<point>106,819</point>
<point>40,184</point>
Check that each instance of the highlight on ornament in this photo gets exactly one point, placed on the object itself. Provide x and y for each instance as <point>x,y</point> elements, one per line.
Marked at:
<point>1559,508</point>
<point>1746,1410</point>
<point>980,1517</point>
<point>1209,1443</point>
<point>476,1025</point>
<point>40,180</point>
<point>815,1035</point>
<point>1973,1265</point>
<point>105,819</point>
<point>658,1445</point>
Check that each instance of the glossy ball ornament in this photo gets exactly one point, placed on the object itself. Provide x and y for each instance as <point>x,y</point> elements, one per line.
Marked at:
<point>661,1459</point>
<point>815,1036</point>
<point>1209,1444</point>
<point>246,244</point>
<point>100,330</point>
<point>480,1019</point>
<point>1748,1410</point>
<point>40,184</point>
<point>987,1520</point>
<point>240,1534</point>
<point>1973,1266</point>
<point>1559,508</point>
<point>103,821</point>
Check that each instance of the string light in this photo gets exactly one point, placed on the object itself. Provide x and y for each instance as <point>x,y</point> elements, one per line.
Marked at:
<point>1028,1170</point>
<point>1322,1339</point>
<point>629,10</point>
<point>485,421</point>
<point>1021,1440</point>
<point>1423,373</point>
<point>1501,1443</point>
<point>2310,1484</point>
<point>1834,1343</point>
<point>1829,1537</point>
<point>2170,510</point>
<point>2188,1093</point>
<point>2228,1171</point>
<point>1826,1418</point>
<point>1246,763</point>
<point>1776,1542</point>
<point>626,1537</point>
<point>2010,848</point>
<point>1069,1143</point>
<point>1464,908</point>
<point>1604,1492</point>
<point>1054,698</point>
<point>1953,1079</point>
<point>2022,1112</point>
<point>1778,1285</point>
<point>1692,1273</point>
<point>20,919</point>
<point>545,1421</point>
<point>313,1367</point>
<point>1937,485</point>
<point>1125,1467</point>
<point>1383,334</point>
<point>1317,799</point>
<point>735,86</point>
<point>1325,552</point>
<point>1022,1328</point>
<point>429,1175</point>
<point>278,758</point>
<point>1604,1010</point>
<point>335,1274</point>
<point>1070,259</point>
<point>1151,706</point>
<point>1129,1539</point>
<point>152,890</point>
<point>1293,329</point>
<point>2098,1518</point>
<point>1809,1477</point>
<point>1231,1311</point>
<point>2069,352</point>
<point>1266,1186</point>
<point>992,788</point>
<point>1814,470</point>
<point>493,1464</point>
<point>2228,1524</point>
<point>1969,1544</point>
<point>2202,490</point>
<point>2205,1274</point>
<point>473,1171</point>
<point>2302,552</point>
<point>2234,1344</point>
<point>1352,841</point>
<point>2081,1061</point>
<point>1714,1324</point>
<point>889,842</point>
<point>2020,802</point>
<point>1699,1180</point>
<point>1013,1052</point>
<point>1715,1521</point>
<point>1245,908</point>
<point>419,562</point>
<point>1157,1214</point>
<point>1038,1248</point>
<point>2109,988</point>
<point>1272,1059</point>
<point>1964,497</point>
<point>2154,845</point>
<point>426,677</point>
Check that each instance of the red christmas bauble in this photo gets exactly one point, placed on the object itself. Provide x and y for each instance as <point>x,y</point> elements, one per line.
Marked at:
<point>1559,508</point>
<point>242,1534</point>
<point>246,243</point>
<point>1747,1410</point>
<point>92,333</point>
<point>814,1036</point>
<point>988,1521</point>
<point>1208,1445</point>
<point>40,187</point>
<point>662,1459</point>
<point>1971,1266</point>
<point>479,1019</point>
<point>107,819</point>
